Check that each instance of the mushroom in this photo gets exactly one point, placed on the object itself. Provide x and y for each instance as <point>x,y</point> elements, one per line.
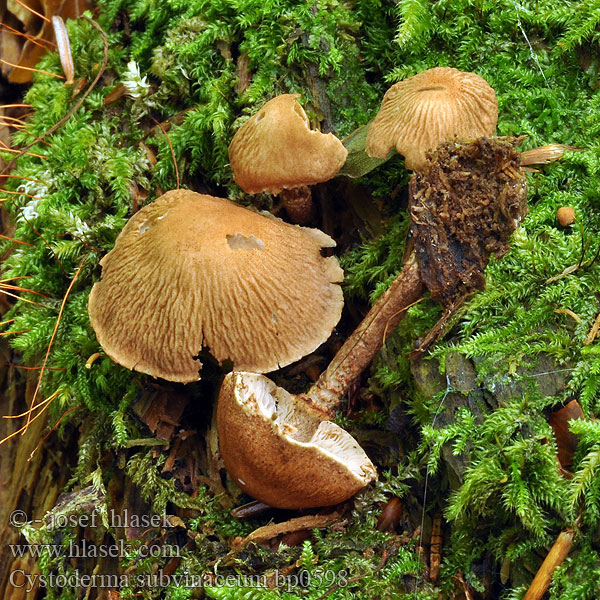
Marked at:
<point>280,452</point>
<point>566,216</point>
<point>276,151</point>
<point>464,207</point>
<point>190,271</point>
<point>281,448</point>
<point>431,107</point>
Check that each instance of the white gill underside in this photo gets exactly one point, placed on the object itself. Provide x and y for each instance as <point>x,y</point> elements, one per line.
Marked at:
<point>298,426</point>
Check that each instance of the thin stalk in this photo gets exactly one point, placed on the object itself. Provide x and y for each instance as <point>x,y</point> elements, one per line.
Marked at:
<point>30,69</point>
<point>365,342</point>
<point>21,177</point>
<point>5,237</point>
<point>37,14</point>
<point>30,419</point>
<point>173,157</point>
<point>32,39</point>
<point>13,125</point>
<point>7,149</point>
<point>64,49</point>
<point>17,194</point>
<point>15,119</point>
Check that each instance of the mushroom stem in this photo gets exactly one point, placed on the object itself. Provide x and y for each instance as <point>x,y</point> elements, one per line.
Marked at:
<point>298,204</point>
<point>364,343</point>
<point>464,207</point>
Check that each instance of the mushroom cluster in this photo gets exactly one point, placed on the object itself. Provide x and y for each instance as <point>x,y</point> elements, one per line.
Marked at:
<point>191,271</point>
<point>464,206</point>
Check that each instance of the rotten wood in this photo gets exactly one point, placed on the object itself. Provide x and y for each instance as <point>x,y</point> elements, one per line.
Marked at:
<point>464,207</point>
<point>41,478</point>
<point>161,411</point>
<point>435,548</point>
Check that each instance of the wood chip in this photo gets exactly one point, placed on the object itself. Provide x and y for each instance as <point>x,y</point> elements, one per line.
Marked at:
<point>267,532</point>
<point>559,551</point>
<point>546,154</point>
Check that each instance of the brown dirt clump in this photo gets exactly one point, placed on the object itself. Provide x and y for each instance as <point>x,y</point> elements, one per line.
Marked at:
<point>464,207</point>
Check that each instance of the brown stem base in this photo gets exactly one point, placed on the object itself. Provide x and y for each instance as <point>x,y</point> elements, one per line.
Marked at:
<point>298,204</point>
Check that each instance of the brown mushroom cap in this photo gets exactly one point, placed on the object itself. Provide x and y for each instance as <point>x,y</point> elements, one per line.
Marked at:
<point>277,149</point>
<point>279,453</point>
<point>432,107</point>
<point>190,271</point>
<point>566,215</point>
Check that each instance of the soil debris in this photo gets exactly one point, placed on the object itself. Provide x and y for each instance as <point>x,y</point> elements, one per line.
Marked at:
<point>464,206</point>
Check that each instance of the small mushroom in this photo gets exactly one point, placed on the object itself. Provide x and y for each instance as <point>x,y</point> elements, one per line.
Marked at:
<point>434,106</point>
<point>566,216</point>
<point>282,453</point>
<point>190,271</point>
<point>276,151</point>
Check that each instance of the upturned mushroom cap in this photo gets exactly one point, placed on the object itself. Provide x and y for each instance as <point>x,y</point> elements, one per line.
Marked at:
<point>190,271</point>
<point>280,453</point>
<point>277,149</point>
<point>434,106</point>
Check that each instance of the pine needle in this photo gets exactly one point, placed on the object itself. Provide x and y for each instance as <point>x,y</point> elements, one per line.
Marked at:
<point>30,69</point>
<point>31,38</point>
<point>30,420</point>
<point>5,237</point>
<point>60,313</point>
<point>33,408</point>
<point>37,14</point>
